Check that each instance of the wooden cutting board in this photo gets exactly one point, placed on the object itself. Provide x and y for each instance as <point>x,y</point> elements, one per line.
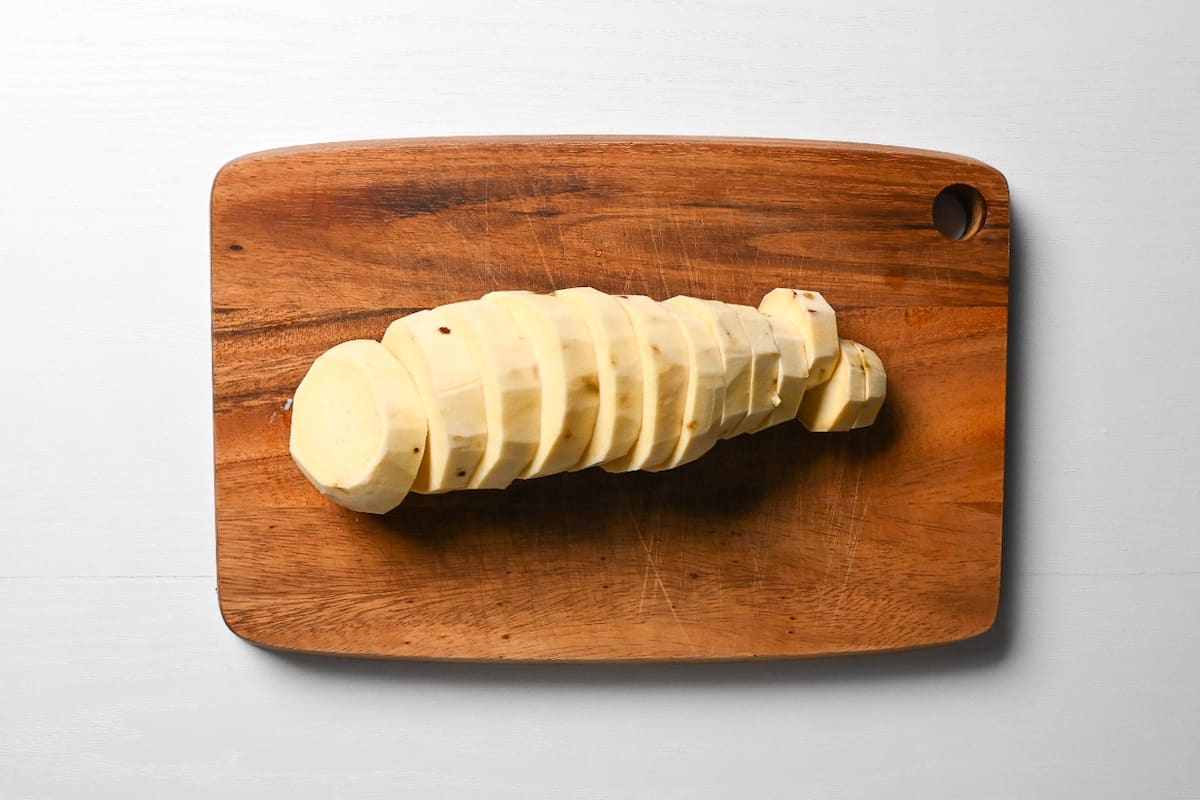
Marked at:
<point>783,543</point>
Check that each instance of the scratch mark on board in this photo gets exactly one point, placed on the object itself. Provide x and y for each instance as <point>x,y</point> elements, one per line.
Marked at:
<point>662,587</point>
<point>687,260</point>
<point>855,539</point>
<point>857,518</point>
<point>538,243</point>
<point>487,228</point>
<point>645,584</point>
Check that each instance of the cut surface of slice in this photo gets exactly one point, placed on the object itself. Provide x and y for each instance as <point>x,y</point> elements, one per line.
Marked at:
<point>664,359</point>
<point>793,369</point>
<point>723,320</point>
<point>619,370</point>
<point>570,386</point>
<point>876,387</point>
<point>705,394</point>
<point>817,323</point>
<point>451,390</point>
<point>764,369</point>
<point>358,427</point>
<point>512,393</point>
<point>835,404</point>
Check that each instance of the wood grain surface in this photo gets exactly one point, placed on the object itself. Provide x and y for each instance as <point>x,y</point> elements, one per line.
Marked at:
<point>778,544</point>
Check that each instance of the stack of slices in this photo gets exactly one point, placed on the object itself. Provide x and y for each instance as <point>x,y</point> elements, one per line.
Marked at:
<point>476,394</point>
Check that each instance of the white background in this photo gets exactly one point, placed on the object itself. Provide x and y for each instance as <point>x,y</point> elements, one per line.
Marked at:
<point>117,675</point>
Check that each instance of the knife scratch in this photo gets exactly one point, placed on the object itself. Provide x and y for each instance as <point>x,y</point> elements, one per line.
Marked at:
<point>662,587</point>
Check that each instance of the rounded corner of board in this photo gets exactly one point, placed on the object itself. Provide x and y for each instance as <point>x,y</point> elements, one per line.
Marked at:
<point>237,627</point>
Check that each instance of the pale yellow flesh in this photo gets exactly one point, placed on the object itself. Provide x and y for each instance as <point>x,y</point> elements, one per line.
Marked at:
<point>764,369</point>
<point>793,369</point>
<point>358,427</point>
<point>619,370</point>
<point>725,325</point>
<point>876,387</point>
<point>835,404</point>
<point>512,393</point>
<point>664,361</point>
<point>566,358</point>
<point>701,423</point>
<point>816,321</point>
<point>451,390</point>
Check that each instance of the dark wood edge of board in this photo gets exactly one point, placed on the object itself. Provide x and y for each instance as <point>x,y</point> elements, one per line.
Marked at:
<point>610,140</point>
<point>501,662</point>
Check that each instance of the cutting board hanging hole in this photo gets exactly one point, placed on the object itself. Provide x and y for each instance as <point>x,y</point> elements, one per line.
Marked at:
<point>959,211</point>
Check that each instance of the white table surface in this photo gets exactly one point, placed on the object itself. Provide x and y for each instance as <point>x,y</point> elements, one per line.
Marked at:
<point>118,677</point>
